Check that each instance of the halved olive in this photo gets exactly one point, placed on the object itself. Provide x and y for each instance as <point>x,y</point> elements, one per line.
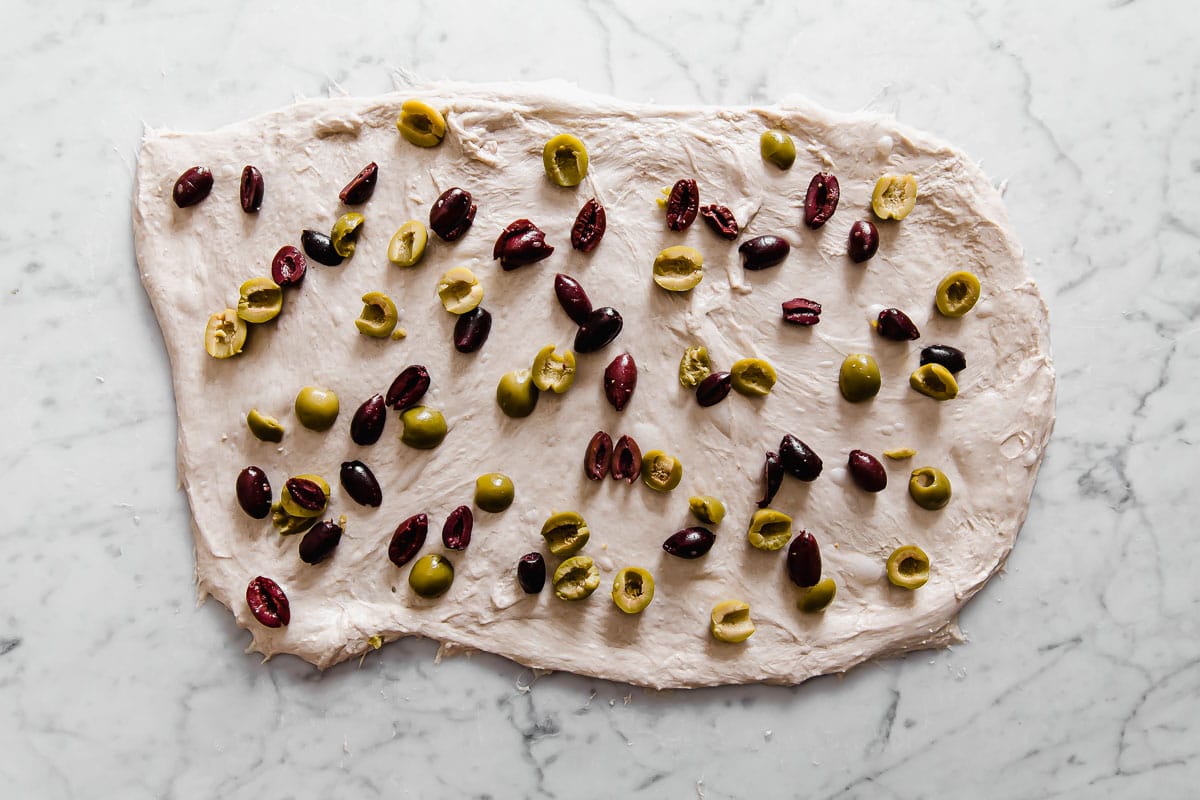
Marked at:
<point>859,378</point>
<point>778,148</point>
<point>894,196</point>
<point>694,367</point>
<point>908,567</point>
<point>494,492</point>
<point>345,233</point>
<point>565,159</point>
<point>930,488</point>
<point>305,495</point>
<point>660,471</point>
<point>407,246</point>
<point>679,268</point>
<point>421,123</point>
<point>817,598</point>
<point>957,294</point>
<point>752,377</point>
<point>934,380</point>
<point>260,300</point>
<point>459,290</point>
<point>288,524</point>
<point>633,589</point>
<point>316,408</point>
<point>553,371</point>
<point>264,426</point>
<point>424,427</point>
<point>431,576</point>
<point>378,318</point>
<point>730,621</point>
<point>225,334</point>
<point>576,578</point>
<point>769,529</point>
<point>516,394</point>
<point>707,509</point>
<point>565,533</point>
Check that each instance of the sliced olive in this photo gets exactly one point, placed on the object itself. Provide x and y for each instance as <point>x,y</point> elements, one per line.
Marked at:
<point>694,367</point>
<point>225,334</point>
<point>565,159</point>
<point>908,567</point>
<point>930,488</point>
<point>459,290</point>
<point>516,394</point>
<point>633,589</point>
<point>316,408</point>
<point>576,578</point>
<point>407,246</point>
<point>934,380</point>
<point>894,196</point>
<point>421,124</point>
<point>778,148</point>
<point>957,294</point>
<point>679,268</point>
<point>305,495</point>
<point>264,426</point>
<point>752,377</point>
<point>424,427</point>
<point>553,371</point>
<point>769,529</point>
<point>817,598</point>
<point>859,378</point>
<point>494,492</point>
<point>260,300</point>
<point>730,621</point>
<point>379,316</point>
<point>345,233</point>
<point>707,509</point>
<point>660,471</point>
<point>431,575</point>
<point>899,453</point>
<point>565,533</point>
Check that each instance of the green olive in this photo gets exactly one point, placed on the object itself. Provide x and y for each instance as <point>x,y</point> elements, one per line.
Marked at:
<point>379,316</point>
<point>494,492</point>
<point>778,148</point>
<point>707,509</point>
<point>345,233</point>
<point>565,159</point>
<point>859,377</point>
<point>287,524</point>
<point>424,427</point>
<point>260,300</point>
<point>431,575</point>
<point>293,509</point>
<point>515,394</point>
<point>934,380</point>
<point>752,377</point>
<point>769,529</point>
<point>264,426</point>
<point>660,471</point>
<point>679,268</point>
<point>894,196</point>
<point>930,488</point>
<point>908,567</point>
<point>460,291</point>
<point>633,589</point>
<point>957,294</point>
<point>731,621</point>
<point>316,408</point>
<point>576,578</point>
<point>565,533</point>
<point>225,334</point>
<point>421,123</point>
<point>694,367</point>
<point>817,598</point>
<point>900,453</point>
<point>553,371</point>
<point>407,246</point>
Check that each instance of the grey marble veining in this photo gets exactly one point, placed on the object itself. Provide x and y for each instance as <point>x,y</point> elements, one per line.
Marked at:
<point>1082,674</point>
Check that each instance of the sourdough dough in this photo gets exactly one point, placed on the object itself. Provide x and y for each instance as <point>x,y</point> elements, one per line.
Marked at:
<point>989,440</point>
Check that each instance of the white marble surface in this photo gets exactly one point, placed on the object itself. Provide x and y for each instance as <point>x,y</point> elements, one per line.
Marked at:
<point>1082,674</point>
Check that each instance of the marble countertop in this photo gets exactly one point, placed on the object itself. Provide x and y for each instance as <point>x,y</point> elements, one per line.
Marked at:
<point>1081,676</point>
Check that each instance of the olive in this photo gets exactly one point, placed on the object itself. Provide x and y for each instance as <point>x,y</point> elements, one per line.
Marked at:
<point>515,394</point>
<point>344,235</point>
<point>305,495</point>
<point>565,159</point>
<point>894,196</point>
<point>531,572</point>
<point>287,524</point>
<point>494,492</point>
<point>576,578</point>
<point>778,148</point>
<point>859,378</point>
<point>957,294</point>
<point>626,460</point>
<point>798,459</point>
<point>361,186</point>
<point>407,246</point>
<point>251,189</point>
<point>421,124</point>
<point>730,621</point>
<point>694,367</point>
<point>368,422</point>
<point>804,560</point>
<point>689,543</point>
<point>769,529</point>
<point>934,380</point>
<point>452,214</point>
<point>264,426</point>
<point>225,334</point>
<point>378,318</point>
<point>565,533</point>
<point>192,186</point>
<point>894,324</point>
<point>316,408</point>
<point>259,300</point>
<point>459,290</point>
<point>254,492</point>
<point>953,359</point>
<point>930,488</point>
<point>866,471</point>
<point>431,576</point>
<point>713,389</point>
<point>863,241</point>
<point>598,330</point>
<point>764,251</point>
<point>707,509</point>
<point>660,471</point>
<point>752,377</point>
<point>633,589</point>
<point>360,483</point>
<point>553,371</point>
<point>900,453</point>
<point>321,540</point>
<point>908,567</point>
<point>598,457</point>
<point>424,427</point>
<point>289,266</point>
<point>679,268</point>
<point>817,598</point>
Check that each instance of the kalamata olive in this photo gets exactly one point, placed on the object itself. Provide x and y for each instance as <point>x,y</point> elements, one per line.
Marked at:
<point>626,460</point>
<point>251,189</point>
<point>254,492</point>
<point>600,328</point>
<point>368,422</point>
<point>798,459</point>
<point>471,330</point>
<point>772,478</point>
<point>361,186</point>
<point>452,214</point>
<point>682,204</point>
<point>894,324</point>
<point>689,542</point>
<point>572,298</point>
<point>319,247</point>
<point>821,200</point>
<point>953,359</point>
<point>531,572</point>
<point>192,186</point>
<point>408,388</point>
<point>863,241</point>
<point>268,603</point>
<point>456,532</point>
<point>320,541</point>
<point>360,483</point>
<point>764,251</point>
<point>598,457</point>
<point>589,227</point>
<point>804,560</point>
<point>408,539</point>
<point>620,379</point>
<point>521,243</point>
<point>288,266</point>
<point>866,471</point>
<point>714,389</point>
